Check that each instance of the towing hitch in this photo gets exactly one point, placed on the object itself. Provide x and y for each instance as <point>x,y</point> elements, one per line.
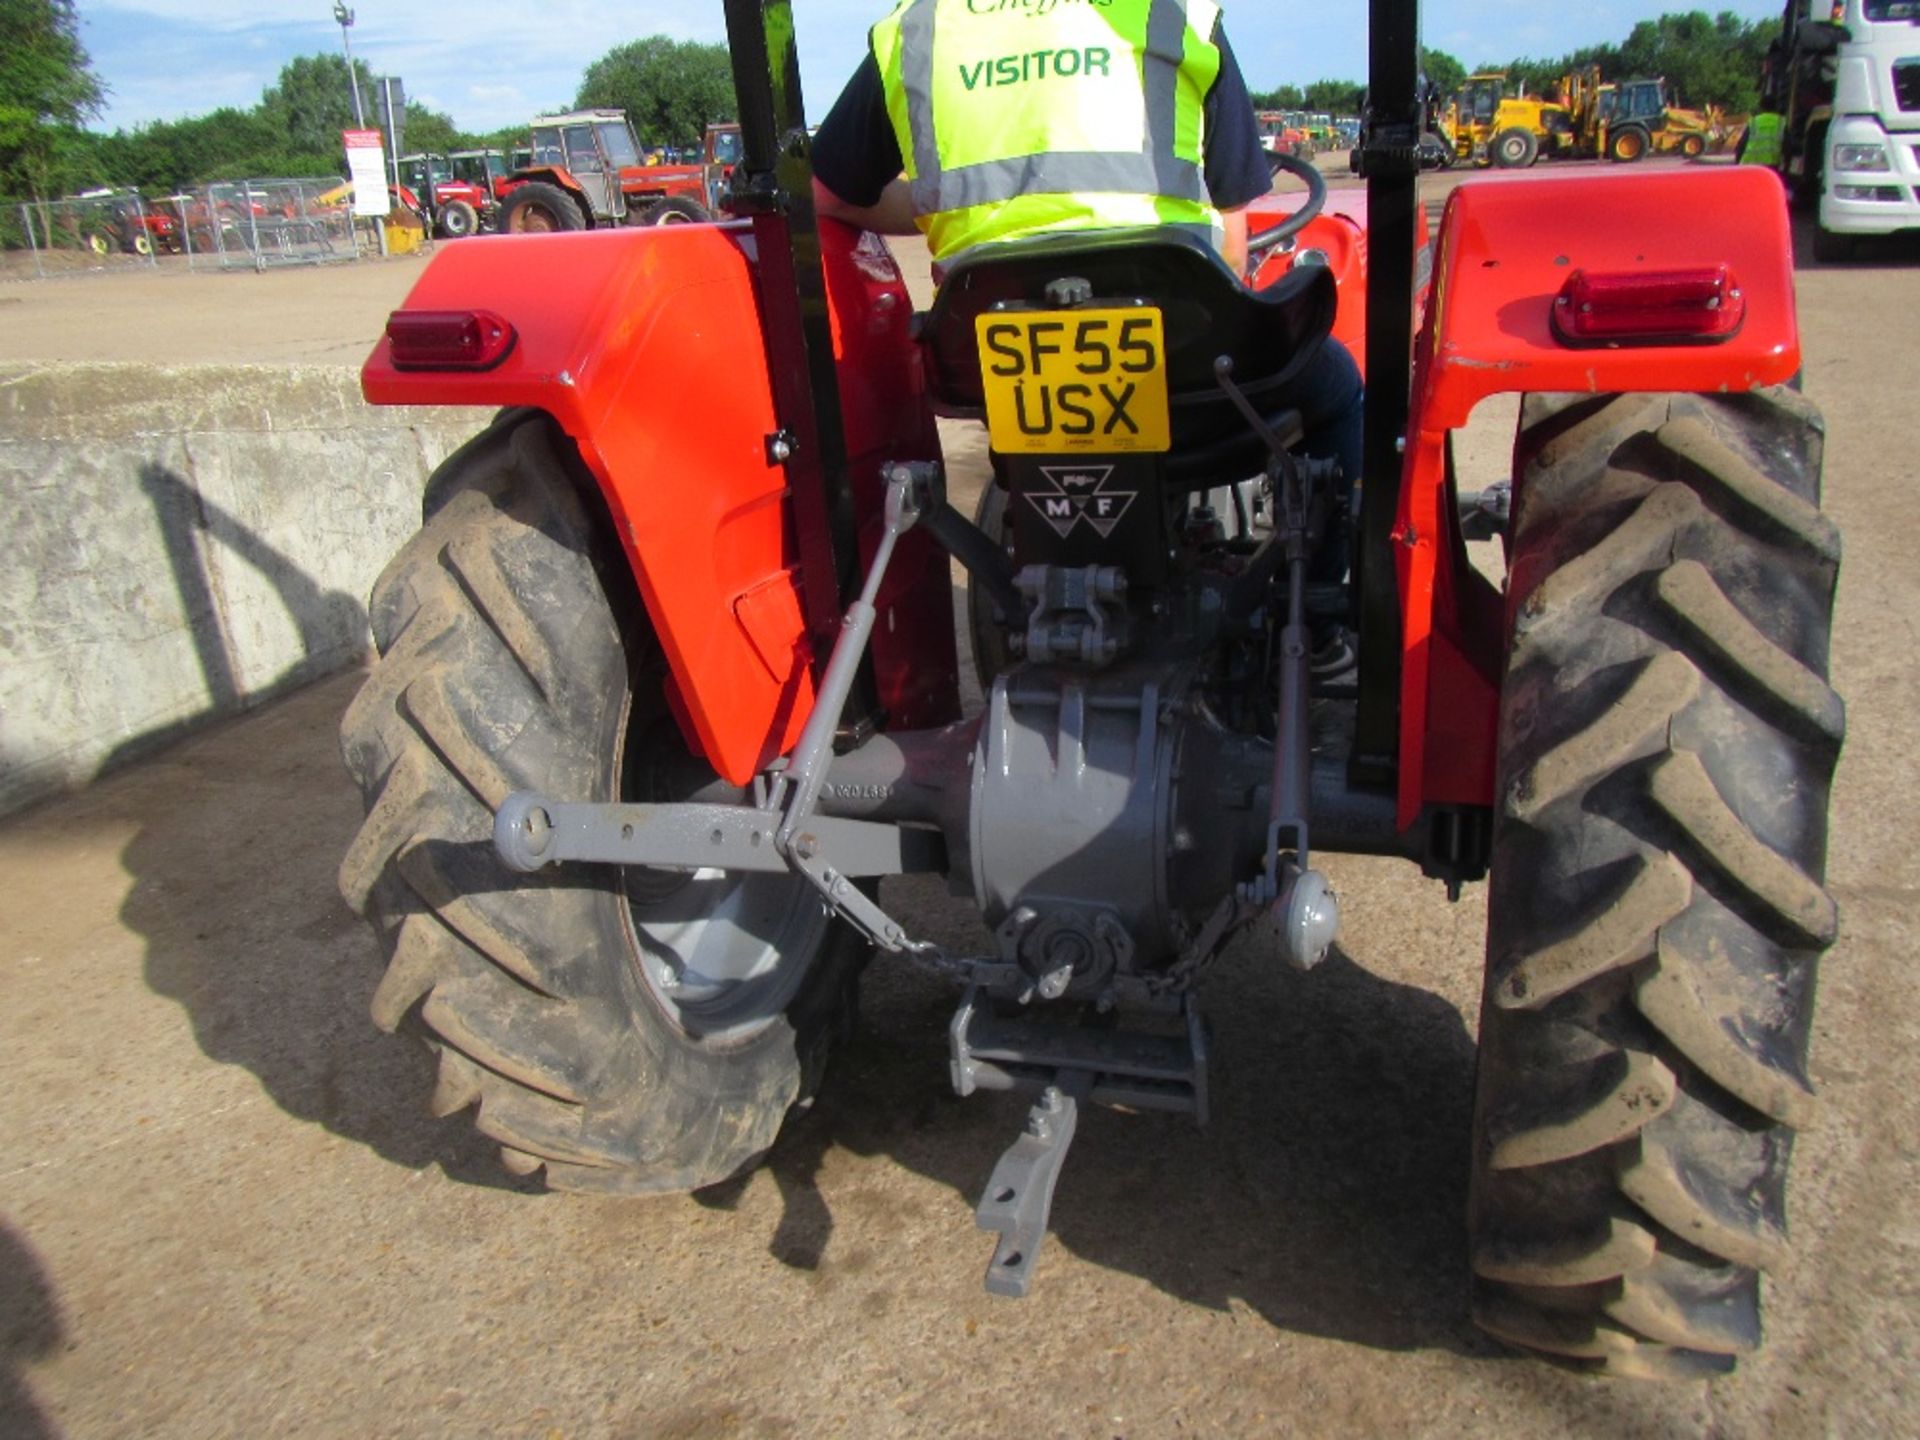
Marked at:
<point>1067,1065</point>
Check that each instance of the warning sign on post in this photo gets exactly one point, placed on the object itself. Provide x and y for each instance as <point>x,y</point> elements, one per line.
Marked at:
<point>367,168</point>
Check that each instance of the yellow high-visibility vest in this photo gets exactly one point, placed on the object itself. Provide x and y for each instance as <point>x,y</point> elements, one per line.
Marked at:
<point>1020,117</point>
<point>1762,145</point>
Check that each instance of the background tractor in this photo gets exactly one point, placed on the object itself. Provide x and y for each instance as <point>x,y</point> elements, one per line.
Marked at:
<point>668,692</point>
<point>1279,135</point>
<point>719,153</point>
<point>1493,121</point>
<point>586,169</point>
<point>456,203</point>
<point>1637,123</point>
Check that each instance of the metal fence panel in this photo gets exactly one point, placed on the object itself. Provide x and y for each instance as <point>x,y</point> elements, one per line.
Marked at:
<point>242,225</point>
<point>107,230</point>
<point>263,224</point>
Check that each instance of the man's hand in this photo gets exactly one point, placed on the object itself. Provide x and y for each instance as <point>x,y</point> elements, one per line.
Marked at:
<point>891,214</point>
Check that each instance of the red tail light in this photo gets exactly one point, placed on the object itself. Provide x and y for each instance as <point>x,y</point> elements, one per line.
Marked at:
<point>1649,307</point>
<point>448,339</point>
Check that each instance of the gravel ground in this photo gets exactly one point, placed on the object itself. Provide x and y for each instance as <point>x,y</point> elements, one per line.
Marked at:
<point>223,1210</point>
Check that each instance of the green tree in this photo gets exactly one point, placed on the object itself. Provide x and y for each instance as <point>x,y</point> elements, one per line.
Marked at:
<point>671,89</point>
<point>1443,72</point>
<point>1705,60</point>
<point>312,102</point>
<point>1284,97</point>
<point>431,131</point>
<point>47,88</point>
<point>1335,97</point>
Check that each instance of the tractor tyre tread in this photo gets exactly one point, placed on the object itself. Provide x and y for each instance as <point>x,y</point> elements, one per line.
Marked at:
<point>458,220</point>
<point>1628,144</point>
<point>551,198</point>
<point>1514,148</point>
<point>1667,744</point>
<point>502,666</point>
<point>675,210</point>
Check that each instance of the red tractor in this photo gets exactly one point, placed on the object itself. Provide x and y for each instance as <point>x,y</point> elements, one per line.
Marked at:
<point>460,198</point>
<point>586,169</point>
<point>118,221</point>
<point>719,153</point>
<point>1281,137</point>
<point>667,686</point>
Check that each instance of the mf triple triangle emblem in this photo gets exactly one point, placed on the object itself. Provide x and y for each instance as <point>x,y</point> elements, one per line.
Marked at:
<point>1079,493</point>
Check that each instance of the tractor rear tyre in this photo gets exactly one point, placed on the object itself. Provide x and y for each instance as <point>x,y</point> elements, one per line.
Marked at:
<point>627,1030</point>
<point>1514,149</point>
<point>537,208</point>
<point>458,220</point>
<point>675,210</point>
<point>1667,743</point>
<point>1628,143</point>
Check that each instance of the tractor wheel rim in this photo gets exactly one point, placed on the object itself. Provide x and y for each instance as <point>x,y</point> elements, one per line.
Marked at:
<point>723,953</point>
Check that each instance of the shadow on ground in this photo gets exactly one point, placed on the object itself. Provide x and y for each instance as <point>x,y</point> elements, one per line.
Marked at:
<point>31,1330</point>
<point>233,865</point>
<point>1328,1193</point>
<point>233,890</point>
<point>1869,252</point>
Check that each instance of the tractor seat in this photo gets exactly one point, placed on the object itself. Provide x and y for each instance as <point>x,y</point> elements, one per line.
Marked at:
<point>1270,334</point>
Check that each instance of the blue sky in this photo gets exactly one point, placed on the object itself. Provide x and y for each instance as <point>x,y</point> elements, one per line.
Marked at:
<point>492,63</point>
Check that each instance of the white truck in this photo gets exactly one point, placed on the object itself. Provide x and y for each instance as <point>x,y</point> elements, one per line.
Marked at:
<point>1845,77</point>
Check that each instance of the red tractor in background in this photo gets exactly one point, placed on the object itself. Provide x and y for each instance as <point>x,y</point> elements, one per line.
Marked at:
<point>109,220</point>
<point>1279,136</point>
<point>458,203</point>
<point>586,169</point>
<point>668,684</point>
<point>719,153</point>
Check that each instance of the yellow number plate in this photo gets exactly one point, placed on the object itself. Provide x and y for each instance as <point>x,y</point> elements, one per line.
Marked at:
<point>1061,382</point>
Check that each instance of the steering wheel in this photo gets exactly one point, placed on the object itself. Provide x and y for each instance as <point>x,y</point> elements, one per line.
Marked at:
<point>1258,245</point>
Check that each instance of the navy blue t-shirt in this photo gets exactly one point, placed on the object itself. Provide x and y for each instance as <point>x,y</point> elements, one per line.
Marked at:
<point>855,152</point>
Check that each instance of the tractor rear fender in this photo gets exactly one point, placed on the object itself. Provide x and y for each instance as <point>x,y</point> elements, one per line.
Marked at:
<point>556,175</point>
<point>645,345</point>
<point>1505,250</point>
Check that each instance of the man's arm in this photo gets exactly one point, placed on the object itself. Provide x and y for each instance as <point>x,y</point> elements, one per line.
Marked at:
<point>1233,246</point>
<point>891,214</point>
<point>856,160</point>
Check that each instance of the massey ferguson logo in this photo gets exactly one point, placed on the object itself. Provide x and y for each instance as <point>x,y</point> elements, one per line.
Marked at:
<point>1078,495</point>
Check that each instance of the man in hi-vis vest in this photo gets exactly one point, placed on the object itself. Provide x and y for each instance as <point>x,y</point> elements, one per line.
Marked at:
<point>1013,118</point>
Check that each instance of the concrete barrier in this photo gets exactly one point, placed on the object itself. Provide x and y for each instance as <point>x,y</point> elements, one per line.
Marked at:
<point>185,543</point>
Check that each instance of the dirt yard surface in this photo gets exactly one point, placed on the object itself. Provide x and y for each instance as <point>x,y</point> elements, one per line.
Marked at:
<point>225,1212</point>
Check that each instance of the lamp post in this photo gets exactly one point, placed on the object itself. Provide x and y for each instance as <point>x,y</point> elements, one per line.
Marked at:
<point>345,16</point>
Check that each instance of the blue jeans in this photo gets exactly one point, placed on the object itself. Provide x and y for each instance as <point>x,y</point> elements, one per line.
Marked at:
<point>1329,395</point>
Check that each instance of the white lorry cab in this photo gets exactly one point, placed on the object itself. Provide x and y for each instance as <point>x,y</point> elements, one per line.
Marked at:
<point>1869,164</point>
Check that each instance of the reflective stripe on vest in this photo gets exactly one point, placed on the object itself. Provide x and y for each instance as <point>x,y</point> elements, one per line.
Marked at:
<point>1016,117</point>
<point>1763,140</point>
